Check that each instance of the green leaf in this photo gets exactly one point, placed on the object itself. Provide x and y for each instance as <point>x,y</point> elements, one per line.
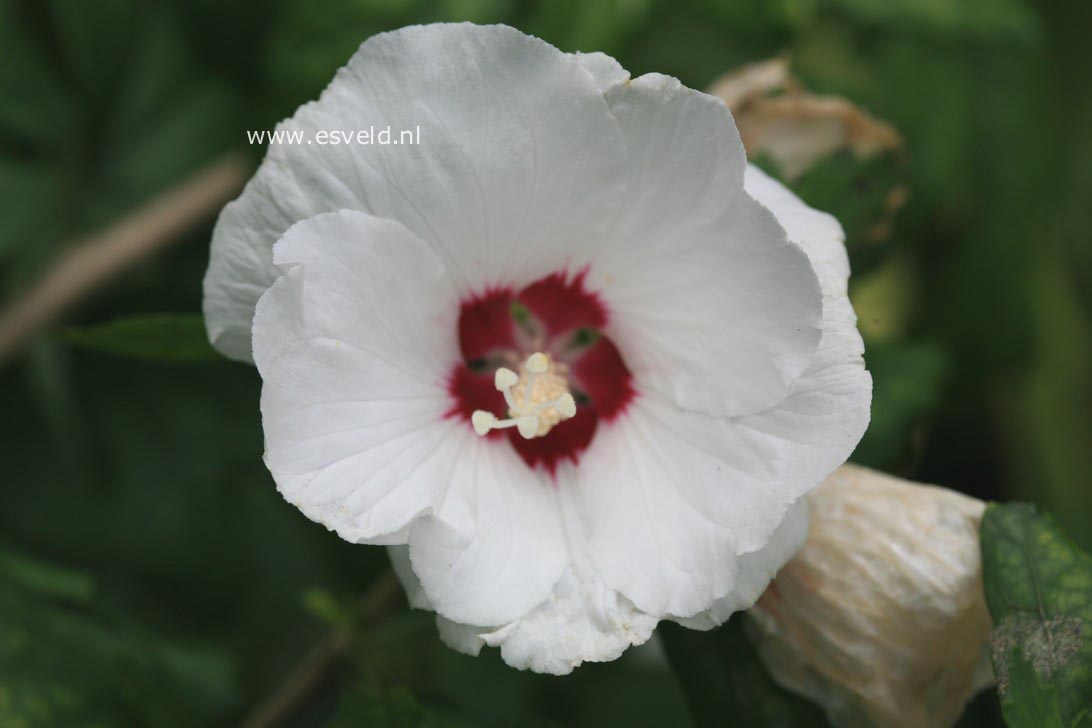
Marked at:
<point>1039,591</point>
<point>1037,706</point>
<point>727,684</point>
<point>169,337</point>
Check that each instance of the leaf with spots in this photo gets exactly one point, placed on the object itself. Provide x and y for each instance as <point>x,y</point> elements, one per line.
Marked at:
<point>1039,592</point>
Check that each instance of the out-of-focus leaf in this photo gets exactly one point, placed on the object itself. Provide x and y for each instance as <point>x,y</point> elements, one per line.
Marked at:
<point>907,379</point>
<point>1048,421</point>
<point>175,509</point>
<point>864,193</point>
<point>473,11</point>
<point>48,380</point>
<point>635,691</point>
<point>393,708</point>
<point>1039,591</point>
<point>329,609</point>
<point>166,337</point>
<point>726,683</point>
<point>307,47</point>
<point>101,106</point>
<point>76,663</point>
<point>45,579</point>
<point>885,300</point>
<point>764,15</point>
<point>1013,18</point>
<point>587,26</point>
<point>35,185</point>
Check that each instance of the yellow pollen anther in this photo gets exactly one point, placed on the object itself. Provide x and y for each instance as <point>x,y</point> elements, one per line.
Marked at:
<point>538,398</point>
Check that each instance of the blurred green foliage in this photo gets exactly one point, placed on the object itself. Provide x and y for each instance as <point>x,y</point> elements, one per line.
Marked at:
<point>396,708</point>
<point>145,477</point>
<point>105,104</point>
<point>67,658</point>
<point>723,677</point>
<point>907,384</point>
<point>167,337</point>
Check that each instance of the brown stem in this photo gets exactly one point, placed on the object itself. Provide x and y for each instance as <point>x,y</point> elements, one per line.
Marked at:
<point>381,597</point>
<point>90,262</point>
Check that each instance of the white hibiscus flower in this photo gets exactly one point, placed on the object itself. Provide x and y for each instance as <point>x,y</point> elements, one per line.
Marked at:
<point>586,262</point>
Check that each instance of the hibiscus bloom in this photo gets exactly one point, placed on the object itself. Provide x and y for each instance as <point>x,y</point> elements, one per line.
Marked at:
<point>569,357</point>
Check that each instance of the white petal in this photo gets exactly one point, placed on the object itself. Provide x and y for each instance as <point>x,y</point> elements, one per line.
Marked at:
<point>519,168</point>
<point>354,344</point>
<point>400,563</point>
<point>651,534</point>
<point>354,364</point>
<point>603,68</point>
<point>757,569</point>
<point>462,638</point>
<point>667,490</point>
<point>581,620</point>
<point>819,233</point>
<point>459,637</point>
<point>710,304</point>
<point>674,499</point>
<point>828,408</point>
<point>495,547</point>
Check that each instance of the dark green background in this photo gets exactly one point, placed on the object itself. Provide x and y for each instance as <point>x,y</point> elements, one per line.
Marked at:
<point>149,572</point>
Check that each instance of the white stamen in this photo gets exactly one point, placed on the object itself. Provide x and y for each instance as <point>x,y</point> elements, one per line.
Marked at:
<point>504,379</point>
<point>566,405</point>
<point>534,411</point>
<point>483,421</point>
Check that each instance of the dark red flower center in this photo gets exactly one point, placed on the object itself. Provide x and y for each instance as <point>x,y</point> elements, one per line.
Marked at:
<point>559,317</point>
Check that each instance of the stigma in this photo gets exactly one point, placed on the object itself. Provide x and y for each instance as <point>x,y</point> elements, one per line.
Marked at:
<point>538,398</point>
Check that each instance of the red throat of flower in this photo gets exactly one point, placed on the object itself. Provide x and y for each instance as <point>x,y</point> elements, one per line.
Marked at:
<point>555,316</point>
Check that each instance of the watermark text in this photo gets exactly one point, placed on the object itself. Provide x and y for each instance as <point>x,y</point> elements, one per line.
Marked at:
<point>373,135</point>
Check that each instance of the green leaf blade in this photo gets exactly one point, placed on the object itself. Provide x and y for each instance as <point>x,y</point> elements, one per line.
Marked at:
<point>1038,588</point>
<point>158,337</point>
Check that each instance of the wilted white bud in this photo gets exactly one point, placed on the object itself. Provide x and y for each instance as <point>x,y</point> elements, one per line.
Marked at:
<point>777,116</point>
<point>880,618</point>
